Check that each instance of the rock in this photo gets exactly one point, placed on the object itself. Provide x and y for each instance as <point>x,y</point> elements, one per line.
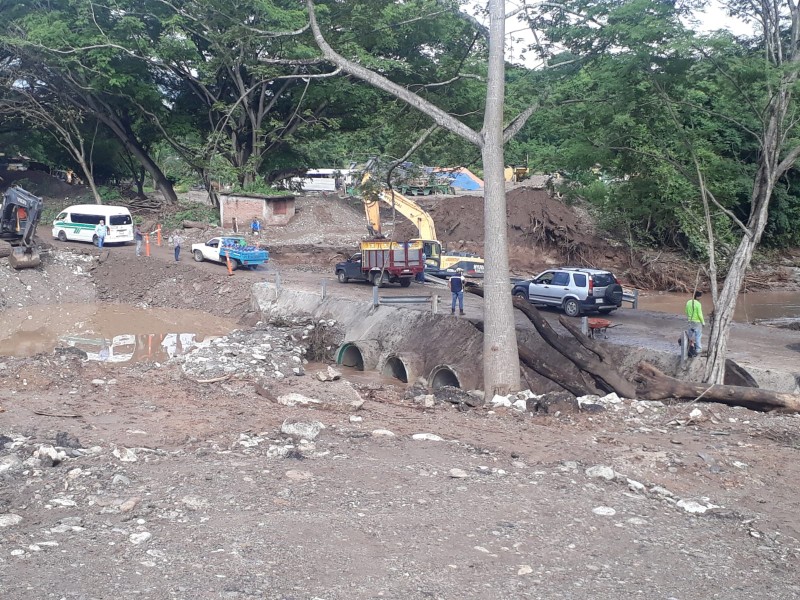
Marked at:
<point>125,454</point>
<point>458,473</point>
<point>430,437</point>
<point>525,570</point>
<point>11,463</point>
<point>356,419</point>
<point>98,382</point>
<point>129,504</point>
<point>696,414</point>
<point>454,395</point>
<point>293,399</point>
<point>264,390</point>
<point>357,404</point>
<point>604,511</point>
<point>601,472</point>
<point>501,401</point>
<point>691,506</point>
<point>49,456</point>
<point>139,538</point>
<point>306,431</point>
<point>194,502</point>
<point>382,433</point>
<point>298,371</point>
<point>120,480</point>
<point>426,400</point>
<point>9,520</point>
<point>330,374</point>
<point>553,402</point>
<point>296,475</point>
<point>65,440</point>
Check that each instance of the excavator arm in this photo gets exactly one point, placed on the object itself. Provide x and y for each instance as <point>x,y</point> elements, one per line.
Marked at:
<point>411,211</point>
<point>19,218</point>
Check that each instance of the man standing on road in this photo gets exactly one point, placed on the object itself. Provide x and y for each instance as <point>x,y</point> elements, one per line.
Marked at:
<point>100,231</point>
<point>176,240</point>
<point>456,284</point>
<point>694,312</point>
<point>138,238</point>
<point>255,226</point>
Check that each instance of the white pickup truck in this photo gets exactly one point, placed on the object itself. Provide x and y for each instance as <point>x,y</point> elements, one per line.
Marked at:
<point>218,249</point>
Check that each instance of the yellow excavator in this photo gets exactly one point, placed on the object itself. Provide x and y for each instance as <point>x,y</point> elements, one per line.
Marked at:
<point>438,261</point>
<point>19,216</point>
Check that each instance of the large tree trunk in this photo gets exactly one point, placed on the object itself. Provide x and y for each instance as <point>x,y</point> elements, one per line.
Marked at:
<point>726,302</point>
<point>500,357</point>
<point>132,145</point>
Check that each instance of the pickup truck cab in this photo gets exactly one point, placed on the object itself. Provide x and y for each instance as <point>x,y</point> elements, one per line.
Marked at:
<point>241,254</point>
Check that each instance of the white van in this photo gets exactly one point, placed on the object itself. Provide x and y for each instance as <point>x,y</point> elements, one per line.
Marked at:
<point>78,223</point>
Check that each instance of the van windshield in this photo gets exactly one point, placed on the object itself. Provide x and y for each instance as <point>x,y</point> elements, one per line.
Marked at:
<point>119,220</point>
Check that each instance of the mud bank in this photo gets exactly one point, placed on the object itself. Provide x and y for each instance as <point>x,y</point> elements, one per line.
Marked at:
<point>444,350</point>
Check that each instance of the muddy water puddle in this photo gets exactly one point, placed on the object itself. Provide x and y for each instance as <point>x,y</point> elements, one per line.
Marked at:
<point>108,332</point>
<point>750,307</point>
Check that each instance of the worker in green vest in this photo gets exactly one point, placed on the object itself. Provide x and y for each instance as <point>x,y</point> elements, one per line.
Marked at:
<point>694,312</point>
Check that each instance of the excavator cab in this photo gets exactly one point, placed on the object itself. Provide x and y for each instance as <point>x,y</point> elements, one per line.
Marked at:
<point>19,218</point>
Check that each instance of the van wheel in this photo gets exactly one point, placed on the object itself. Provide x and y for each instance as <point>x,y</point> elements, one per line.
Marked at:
<point>342,277</point>
<point>62,236</point>
<point>95,240</point>
<point>235,264</point>
<point>520,294</point>
<point>571,307</point>
<point>198,256</point>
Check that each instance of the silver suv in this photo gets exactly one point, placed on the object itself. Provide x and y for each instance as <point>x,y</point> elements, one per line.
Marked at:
<point>575,289</point>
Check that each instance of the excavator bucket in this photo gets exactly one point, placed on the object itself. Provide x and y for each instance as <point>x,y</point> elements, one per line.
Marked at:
<point>24,258</point>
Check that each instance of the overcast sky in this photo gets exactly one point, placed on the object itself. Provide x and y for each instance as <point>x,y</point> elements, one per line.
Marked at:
<point>712,19</point>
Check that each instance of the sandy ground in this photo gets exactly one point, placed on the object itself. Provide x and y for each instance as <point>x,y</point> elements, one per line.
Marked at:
<point>150,480</point>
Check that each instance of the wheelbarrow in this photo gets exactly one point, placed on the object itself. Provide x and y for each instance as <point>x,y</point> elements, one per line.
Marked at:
<point>599,326</point>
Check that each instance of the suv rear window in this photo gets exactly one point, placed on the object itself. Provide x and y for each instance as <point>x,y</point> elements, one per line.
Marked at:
<point>580,279</point>
<point>603,279</point>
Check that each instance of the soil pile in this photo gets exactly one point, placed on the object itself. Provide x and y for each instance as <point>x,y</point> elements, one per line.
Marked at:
<point>542,230</point>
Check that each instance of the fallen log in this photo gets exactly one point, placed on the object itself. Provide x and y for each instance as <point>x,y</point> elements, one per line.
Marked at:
<point>536,363</point>
<point>655,385</point>
<point>606,376</point>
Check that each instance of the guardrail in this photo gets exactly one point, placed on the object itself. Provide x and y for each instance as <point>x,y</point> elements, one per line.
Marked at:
<point>632,297</point>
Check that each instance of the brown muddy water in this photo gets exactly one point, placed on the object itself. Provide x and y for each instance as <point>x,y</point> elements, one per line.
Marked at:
<point>108,332</point>
<point>750,307</point>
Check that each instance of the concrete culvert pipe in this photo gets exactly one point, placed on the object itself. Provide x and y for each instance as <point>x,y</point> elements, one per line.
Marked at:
<point>349,355</point>
<point>362,355</point>
<point>395,367</point>
<point>442,376</point>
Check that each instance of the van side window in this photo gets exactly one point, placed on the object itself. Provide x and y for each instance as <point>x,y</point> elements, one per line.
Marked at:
<point>561,278</point>
<point>86,219</point>
<point>580,279</point>
<point>61,217</point>
<point>119,220</point>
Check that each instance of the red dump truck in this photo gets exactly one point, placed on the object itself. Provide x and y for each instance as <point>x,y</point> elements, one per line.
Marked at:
<point>382,262</point>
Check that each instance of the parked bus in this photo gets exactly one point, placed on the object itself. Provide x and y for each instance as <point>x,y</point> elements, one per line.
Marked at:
<point>78,223</point>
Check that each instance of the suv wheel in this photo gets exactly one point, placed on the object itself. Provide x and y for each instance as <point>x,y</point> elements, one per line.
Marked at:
<point>614,293</point>
<point>571,307</point>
